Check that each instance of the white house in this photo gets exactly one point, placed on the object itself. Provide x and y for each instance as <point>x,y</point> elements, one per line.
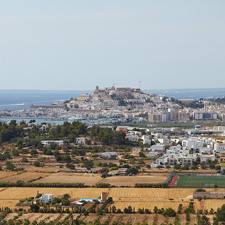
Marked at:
<point>205,150</point>
<point>164,140</point>
<point>146,139</point>
<point>207,158</point>
<point>46,198</point>
<point>81,141</point>
<point>175,148</point>
<point>109,155</point>
<point>49,142</point>
<point>152,154</point>
<point>219,147</point>
<point>158,148</point>
<point>132,138</point>
<point>192,143</point>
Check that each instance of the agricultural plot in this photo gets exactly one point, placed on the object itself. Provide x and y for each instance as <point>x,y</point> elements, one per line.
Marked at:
<point>16,193</point>
<point>26,176</point>
<point>194,181</point>
<point>8,203</point>
<point>119,218</point>
<point>139,204</point>
<point>6,174</point>
<point>130,181</point>
<point>151,193</point>
<point>87,179</point>
<point>92,179</point>
<point>213,203</point>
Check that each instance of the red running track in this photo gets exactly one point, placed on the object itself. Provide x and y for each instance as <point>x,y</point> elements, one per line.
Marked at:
<point>173,181</point>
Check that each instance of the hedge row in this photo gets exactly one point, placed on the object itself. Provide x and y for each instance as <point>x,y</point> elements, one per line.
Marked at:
<point>146,185</point>
<point>28,184</point>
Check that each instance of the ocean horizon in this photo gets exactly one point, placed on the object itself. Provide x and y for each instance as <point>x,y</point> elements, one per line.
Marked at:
<point>23,99</point>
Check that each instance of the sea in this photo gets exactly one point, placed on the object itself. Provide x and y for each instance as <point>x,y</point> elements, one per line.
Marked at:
<point>23,99</point>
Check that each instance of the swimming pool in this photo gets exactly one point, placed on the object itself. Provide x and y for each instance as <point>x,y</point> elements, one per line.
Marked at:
<point>90,199</point>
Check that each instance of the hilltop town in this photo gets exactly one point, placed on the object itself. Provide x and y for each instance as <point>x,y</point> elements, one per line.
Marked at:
<point>124,105</point>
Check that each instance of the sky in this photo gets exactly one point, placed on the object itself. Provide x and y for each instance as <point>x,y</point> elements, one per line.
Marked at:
<point>76,45</point>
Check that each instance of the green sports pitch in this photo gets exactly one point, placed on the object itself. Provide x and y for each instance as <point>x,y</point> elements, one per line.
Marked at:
<point>195,181</point>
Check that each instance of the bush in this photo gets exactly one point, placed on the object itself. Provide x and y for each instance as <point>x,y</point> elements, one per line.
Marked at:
<point>200,190</point>
<point>147,185</point>
<point>102,185</point>
<point>169,212</point>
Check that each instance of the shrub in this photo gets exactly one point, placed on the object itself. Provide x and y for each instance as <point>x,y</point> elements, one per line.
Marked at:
<point>200,190</point>
<point>169,212</point>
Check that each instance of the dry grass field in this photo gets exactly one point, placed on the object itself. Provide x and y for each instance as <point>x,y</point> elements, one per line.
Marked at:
<point>92,179</point>
<point>212,203</point>
<point>152,193</point>
<point>150,204</point>
<point>46,169</point>
<point>123,197</point>
<point>26,176</point>
<point>130,181</point>
<point>119,218</point>
<point>88,179</point>
<point>8,203</point>
<point>6,174</point>
<point>16,193</point>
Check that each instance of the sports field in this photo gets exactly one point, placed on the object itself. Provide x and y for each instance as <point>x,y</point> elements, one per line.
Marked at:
<point>192,181</point>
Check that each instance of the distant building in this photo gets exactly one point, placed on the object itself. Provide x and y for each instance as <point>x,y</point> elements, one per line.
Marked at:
<point>158,148</point>
<point>81,141</point>
<point>209,195</point>
<point>46,198</point>
<point>109,155</point>
<point>104,196</point>
<point>49,142</point>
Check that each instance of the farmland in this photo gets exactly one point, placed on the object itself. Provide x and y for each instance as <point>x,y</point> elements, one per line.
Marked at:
<point>122,197</point>
<point>194,181</point>
<point>27,176</point>
<point>88,179</point>
<point>118,218</point>
<point>130,181</point>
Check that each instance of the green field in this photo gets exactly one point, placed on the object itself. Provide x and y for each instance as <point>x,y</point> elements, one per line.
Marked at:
<point>191,181</point>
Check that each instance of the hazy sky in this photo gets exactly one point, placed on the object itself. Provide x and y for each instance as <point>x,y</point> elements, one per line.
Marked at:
<point>76,45</point>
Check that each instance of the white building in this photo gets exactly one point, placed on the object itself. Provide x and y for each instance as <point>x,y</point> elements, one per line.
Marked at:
<point>146,139</point>
<point>132,137</point>
<point>164,140</point>
<point>158,148</point>
<point>193,143</point>
<point>219,147</point>
<point>46,198</point>
<point>81,141</point>
<point>109,155</point>
<point>49,142</point>
<point>207,158</point>
<point>152,154</point>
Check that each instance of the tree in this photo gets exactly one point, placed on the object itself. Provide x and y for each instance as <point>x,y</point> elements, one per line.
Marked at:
<point>113,209</point>
<point>33,152</point>
<point>169,212</point>
<point>141,154</point>
<point>24,159</point>
<point>9,166</point>
<point>34,208</point>
<point>220,214</point>
<point>132,170</point>
<point>177,167</point>
<point>55,200</point>
<point>15,152</point>
<point>37,164</point>
<point>19,143</point>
